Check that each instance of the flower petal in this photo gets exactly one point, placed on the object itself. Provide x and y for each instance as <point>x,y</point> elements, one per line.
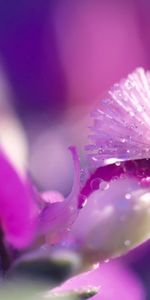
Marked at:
<point>139,169</point>
<point>17,208</point>
<point>122,122</point>
<point>115,219</point>
<point>57,217</point>
<point>114,280</point>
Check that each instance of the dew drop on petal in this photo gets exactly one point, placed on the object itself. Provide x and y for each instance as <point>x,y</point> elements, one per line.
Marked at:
<point>128,196</point>
<point>94,158</point>
<point>95,266</point>
<point>82,176</point>
<point>115,178</point>
<point>83,200</point>
<point>104,185</point>
<point>122,176</point>
<point>145,182</point>
<point>100,151</point>
<point>122,140</point>
<point>127,243</point>
<point>94,184</point>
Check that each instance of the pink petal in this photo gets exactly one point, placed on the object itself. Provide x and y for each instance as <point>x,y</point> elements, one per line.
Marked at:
<point>115,281</point>
<point>57,217</point>
<point>17,209</point>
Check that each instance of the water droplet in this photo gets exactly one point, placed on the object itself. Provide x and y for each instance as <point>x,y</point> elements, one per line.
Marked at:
<point>115,178</point>
<point>95,266</point>
<point>83,201</point>
<point>145,182</point>
<point>118,163</point>
<point>128,196</point>
<point>94,184</point>
<point>104,185</point>
<point>139,173</point>
<point>122,140</point>
<point>100,151</point>
<point>139,108</point>
<point>106,260</point>
<point>83,175</point>
<point>132,114</point>
<point>133,126</point>
<point>123,176</point>
<point>127,243</point>
<point>94,158</point>
<point>128,84</point>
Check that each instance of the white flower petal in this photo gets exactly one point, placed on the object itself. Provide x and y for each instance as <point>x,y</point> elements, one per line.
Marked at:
<point>121,129</point>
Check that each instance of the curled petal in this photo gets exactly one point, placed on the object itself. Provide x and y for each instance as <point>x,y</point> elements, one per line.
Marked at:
<point>122,122</point>
<point>17,209</point>
<point>57,217</point>
<point>138,169</point>
<point>115,219</point>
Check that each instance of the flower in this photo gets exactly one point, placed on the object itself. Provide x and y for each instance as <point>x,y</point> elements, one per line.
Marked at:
<point>110,214</point>
<point>121,124</point>
<point>115,217</point>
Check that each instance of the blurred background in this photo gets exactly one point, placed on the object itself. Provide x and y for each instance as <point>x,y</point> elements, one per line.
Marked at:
<point>57,59</point>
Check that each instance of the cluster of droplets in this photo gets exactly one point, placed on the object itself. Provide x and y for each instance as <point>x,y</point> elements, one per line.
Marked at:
<point>121,129</point>
<point>84,174</point>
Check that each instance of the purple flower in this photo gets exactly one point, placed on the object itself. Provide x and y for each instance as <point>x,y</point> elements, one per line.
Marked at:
<point>121,123</point>
<point>115,217</point>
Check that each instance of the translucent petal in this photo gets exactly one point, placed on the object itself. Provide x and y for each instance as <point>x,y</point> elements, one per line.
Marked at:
<point>115,219</point>
<point>57,217</point>
<point>121,128</point>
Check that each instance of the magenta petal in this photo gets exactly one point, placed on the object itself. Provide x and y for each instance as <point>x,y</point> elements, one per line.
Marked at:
<point>17,209</point>
<point>57,217</point>
<point>139,169</point>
